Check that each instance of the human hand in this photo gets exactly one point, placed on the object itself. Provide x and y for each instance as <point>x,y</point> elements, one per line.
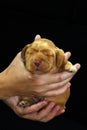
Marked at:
<point>18,80</point>
<point>41,111</point>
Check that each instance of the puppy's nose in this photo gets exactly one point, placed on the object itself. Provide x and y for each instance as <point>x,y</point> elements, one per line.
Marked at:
<point>37,63</point>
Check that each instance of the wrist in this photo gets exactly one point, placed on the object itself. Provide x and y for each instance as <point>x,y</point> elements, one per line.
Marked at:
<point>4,86</point>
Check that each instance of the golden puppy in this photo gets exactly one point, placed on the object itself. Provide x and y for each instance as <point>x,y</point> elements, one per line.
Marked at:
<point>42,56</point>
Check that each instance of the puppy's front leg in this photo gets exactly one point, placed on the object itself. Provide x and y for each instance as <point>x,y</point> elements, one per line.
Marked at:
<point>70,67</point>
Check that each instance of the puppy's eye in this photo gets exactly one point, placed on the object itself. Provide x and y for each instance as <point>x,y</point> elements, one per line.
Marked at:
<point>32,51</point>
<point>46,53</point>
<point>35,50</point>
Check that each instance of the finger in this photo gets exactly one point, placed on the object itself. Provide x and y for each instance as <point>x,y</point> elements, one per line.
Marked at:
<point>41,115</point>
<point>78,66</point>
<point>55,78</point>
<point>45,111</point>
<point>37,107</point>
<point>58,91</point>
<point>52,88</point>
<point>37,37</point>
<point>67,55</point>
<point>58,85</point>
<point>53,112</point>
<point>49,89</point>
<point>58,77</point>
<point>45,114</point>
<point>31,116</point>
<point>31,109</point>
<point>60,112</point>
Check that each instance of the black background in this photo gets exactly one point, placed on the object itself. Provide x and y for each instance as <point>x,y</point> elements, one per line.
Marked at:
<point>65,23</point>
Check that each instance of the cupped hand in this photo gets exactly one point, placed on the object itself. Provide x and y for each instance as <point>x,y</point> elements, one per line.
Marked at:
<point>18,80</point>
<point>41,111</point>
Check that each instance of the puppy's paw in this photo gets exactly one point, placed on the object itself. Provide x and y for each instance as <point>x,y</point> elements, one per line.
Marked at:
<point>24,104</point>
<point>72,69</point>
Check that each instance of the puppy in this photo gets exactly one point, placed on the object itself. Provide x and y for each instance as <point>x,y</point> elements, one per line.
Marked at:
<point>42,56</point>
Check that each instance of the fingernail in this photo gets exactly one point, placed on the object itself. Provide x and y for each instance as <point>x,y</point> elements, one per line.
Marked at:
<point>69,54</point>
<point>37,36</point>
<point>52,104</point>
<point>69,84</point>
<point>63,111</point>
<point>44,102</point>
<point>78,66</point>
<point>57,108</point>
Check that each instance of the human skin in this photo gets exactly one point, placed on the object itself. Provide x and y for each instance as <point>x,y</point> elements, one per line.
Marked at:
<point>44,111</point>
<point>15,80</point>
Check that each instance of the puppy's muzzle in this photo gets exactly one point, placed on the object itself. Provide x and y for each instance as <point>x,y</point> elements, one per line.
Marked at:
<point>37,63</point>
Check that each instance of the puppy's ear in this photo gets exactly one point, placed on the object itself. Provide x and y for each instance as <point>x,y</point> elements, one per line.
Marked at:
<point>24,51</point>
<point>60,58</point>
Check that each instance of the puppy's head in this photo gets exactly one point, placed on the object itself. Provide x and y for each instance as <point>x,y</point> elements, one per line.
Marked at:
<point>42,56</point>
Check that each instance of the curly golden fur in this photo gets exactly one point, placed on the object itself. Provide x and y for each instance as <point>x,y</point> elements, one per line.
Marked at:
<point>42,56</point>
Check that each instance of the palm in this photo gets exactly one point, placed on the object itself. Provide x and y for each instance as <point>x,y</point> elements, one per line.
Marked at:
<point>40,112</point>
<point>12,102</point>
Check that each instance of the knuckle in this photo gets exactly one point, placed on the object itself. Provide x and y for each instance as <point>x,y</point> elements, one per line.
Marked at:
<point>64,89</point>
<point>39,91</point>
<point>56,93</point>
<point>39,82</point>
<point>60,78</point>
<point>19,113</point>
